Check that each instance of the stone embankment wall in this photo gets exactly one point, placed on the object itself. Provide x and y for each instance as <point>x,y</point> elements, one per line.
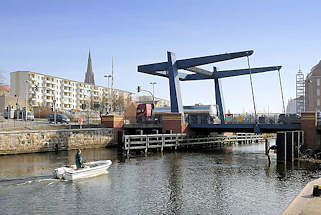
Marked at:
<point>17,142</point>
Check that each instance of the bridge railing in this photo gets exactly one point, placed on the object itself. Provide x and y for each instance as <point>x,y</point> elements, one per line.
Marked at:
<point>249,118</point>
<point>261,118</point>
<point>244,118</point>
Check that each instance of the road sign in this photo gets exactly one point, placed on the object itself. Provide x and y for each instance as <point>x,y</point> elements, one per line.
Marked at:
<point>39,110</point>
<point>75,110</point>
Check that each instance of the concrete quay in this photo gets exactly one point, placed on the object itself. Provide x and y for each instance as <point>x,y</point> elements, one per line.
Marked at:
<point>30,141</point>
<point>305,203</point>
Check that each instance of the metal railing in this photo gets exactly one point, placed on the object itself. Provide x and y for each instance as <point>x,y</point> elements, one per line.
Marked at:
<point>14,123</point>
<point>261,118</point>
<point>247,118</point>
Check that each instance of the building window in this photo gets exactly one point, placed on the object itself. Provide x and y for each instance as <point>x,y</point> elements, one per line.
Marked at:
<point>318,102</point>
<point>318,82</point>
<point>318,91</point>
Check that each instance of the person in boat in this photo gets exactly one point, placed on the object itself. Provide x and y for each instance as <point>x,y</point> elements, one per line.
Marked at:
<point>79,162</point>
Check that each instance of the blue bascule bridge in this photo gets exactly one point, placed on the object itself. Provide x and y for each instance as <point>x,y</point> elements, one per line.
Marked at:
<point>188,70</point>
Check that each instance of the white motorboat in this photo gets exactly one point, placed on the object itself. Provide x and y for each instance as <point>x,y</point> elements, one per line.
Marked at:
<point>90,169</point>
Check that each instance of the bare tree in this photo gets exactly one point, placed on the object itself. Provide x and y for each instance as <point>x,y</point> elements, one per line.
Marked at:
<point>118,102</point>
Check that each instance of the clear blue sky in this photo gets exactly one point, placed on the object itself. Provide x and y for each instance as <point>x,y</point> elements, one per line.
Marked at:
<point>53,37</point>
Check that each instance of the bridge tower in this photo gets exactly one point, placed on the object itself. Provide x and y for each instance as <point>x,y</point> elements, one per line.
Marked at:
<point>170,69</point>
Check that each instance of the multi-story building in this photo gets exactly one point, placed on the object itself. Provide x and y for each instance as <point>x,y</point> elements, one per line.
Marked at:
<point>312,89</point>
<point>291,107</point>
<point>63,94</point>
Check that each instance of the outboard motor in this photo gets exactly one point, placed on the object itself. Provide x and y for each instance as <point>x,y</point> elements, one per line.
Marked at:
<point>59,173</point>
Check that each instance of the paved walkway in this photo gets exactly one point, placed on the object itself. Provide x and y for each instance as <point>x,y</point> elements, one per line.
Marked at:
<point>305,203</point>
<point>11,123</point>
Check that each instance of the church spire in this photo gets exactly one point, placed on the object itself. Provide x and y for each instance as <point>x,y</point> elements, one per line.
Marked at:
<point>89,78</point>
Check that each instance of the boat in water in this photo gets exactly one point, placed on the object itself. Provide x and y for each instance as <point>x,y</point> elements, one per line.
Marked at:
<point>91,169</point>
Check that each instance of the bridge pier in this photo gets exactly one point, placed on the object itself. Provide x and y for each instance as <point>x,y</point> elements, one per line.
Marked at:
<point>173,122</point>
<point>309,124</point>
<point>113,121</point>
<point>288,145</point>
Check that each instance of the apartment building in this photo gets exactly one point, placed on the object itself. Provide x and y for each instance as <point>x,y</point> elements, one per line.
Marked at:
<point>49,91</point>
<point>312,89</point>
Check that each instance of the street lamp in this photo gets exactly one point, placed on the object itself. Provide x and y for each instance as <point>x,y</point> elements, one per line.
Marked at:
<point>153,83</point>
<point>108,77</point>
<point>27,95</point>
<point>139,89</point>
<point>55,112</point>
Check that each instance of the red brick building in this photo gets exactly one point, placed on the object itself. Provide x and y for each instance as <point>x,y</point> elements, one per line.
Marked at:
<point>312,89</point>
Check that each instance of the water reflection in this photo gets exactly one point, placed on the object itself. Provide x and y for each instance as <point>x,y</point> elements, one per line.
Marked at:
<point>175,184</point>
<point>227,181</point>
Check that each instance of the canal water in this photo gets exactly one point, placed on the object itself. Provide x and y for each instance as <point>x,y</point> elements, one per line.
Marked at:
<point>229,181</point>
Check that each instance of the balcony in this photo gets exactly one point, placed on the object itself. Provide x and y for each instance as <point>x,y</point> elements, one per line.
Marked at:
<point>67,89</point>
<point>68,96</point>
<point>66,84</point>
<point>49,87</point>
<point>49,94</point>
<point>49,100</point>
<point>96,98</point>
<point>68,100</point>
<point>50,81</point>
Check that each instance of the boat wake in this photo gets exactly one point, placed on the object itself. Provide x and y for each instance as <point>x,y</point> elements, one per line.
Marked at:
<point>27,180</point>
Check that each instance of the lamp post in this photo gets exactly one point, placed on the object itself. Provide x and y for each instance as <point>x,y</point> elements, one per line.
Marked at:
<point>55,112</point>
<point>108,77</point>
<point>26,112</point>
<point>153,83</point>
<point>139,89</point>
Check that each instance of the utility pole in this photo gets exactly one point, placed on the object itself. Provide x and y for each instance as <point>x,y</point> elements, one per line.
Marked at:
<point>26,106</point>
<point>55,113</point>
<point>112,83</point>
<point>26,112</point>
<point>108,88</point>
<point>108,99</point>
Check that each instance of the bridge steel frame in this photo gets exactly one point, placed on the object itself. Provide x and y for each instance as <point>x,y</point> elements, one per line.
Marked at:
<point>170,69</point>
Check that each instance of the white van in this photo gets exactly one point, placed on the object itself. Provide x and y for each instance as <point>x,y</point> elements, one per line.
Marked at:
<point>30,116</point>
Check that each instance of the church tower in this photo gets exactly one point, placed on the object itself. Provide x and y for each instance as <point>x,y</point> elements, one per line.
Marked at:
<point>89,78</point>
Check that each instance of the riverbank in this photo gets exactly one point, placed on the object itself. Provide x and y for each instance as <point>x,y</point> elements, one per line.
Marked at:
<point>30,141</point>
<point>311,160</point>
<point>305,202</point>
